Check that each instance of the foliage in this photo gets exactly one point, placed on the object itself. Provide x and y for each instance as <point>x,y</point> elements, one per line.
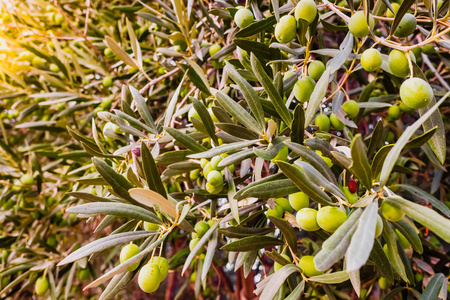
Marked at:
<point>169,127</point>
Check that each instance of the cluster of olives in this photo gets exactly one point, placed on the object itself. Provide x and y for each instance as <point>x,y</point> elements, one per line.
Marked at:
<point>200,228</point>
<point>213,173</point>
<point>323,122</point>
<point>151,274</point>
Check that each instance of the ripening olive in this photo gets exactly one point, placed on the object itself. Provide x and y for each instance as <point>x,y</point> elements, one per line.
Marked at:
<point>351,107</point>
<point>323,122</point>
<point>416,92</point>
<point>149,278</point>
<point>390,212</point>
<point>128,252</point>
<point>243,17</point>
<point>316,69</point>
<point>358,26</point>
<point>371,60</point>
<point>303,88</point>
<point>306,10</point>
<point>306,263</point>
<point>286,29</point>
<point>406,26</point>
<point>298,200</point>
<point>307,219</point>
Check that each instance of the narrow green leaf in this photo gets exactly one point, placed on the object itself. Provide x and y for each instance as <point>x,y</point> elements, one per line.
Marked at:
<point>390,237</point>
<point>434,286</point>
<point>120,53</point>
<point>287,231</point>
<point>133,121</point>
<point>116,209</point>
<point>105,243</point>
<point>269,88</point>
<point>404,7</point>
<point>360,165</point>
<point>238,112</point>
<point>314,159</point>
<point>334,248</point>
<point>171,104</point>
<point>241,231</point>
<point>276,282</point>
<point>272,189</point>
<point>317,96</point>
<point>381,261</point>
<point>304,184</point>
<point>362,240</point>
<point>423,215</point>
<point>437,142</point>
<point>206,119</point>
<point>225,148</point>
<point>119,184</point>
<point>407,134</point>
<point>252,243</point>
<point>298,125</point>
<point>185,140</point>
<point>151,172</point>
<point>249,94</point>
<point>331,278</point>
<point>421,194</point>
<point>141,106</point>
<point>134,43</point>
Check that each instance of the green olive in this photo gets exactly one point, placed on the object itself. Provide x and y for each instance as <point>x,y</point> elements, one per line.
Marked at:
<point>107,82</point>
<point>276,212</point>
<point>306,263</point>
<point>201,228</point>
<point>351,107</point>
<point>394,112</point>
<point>329,218</point>
<point>162,264</point>
<point>41,286</point>
<point>395,7</point>
<point>351,197</point>
<point>323,122</point>
<point>335,122</point>
<point>298,200</point>
<point>306,10</point>
<point>371,60</point>
<point>286,29</point>
<point>84,274</point>
<point>277,266</point>
<point>402,239</point>
<point>383,283</point>
<point>379,226</point>
<point>128,252</point>
<point>303,88</point>
<point>214,49</point>
<point>406,26</point>
<point>358,25</point>
<point>316,69</point>
<point>428,49</point>
<point>243,17</point>
<point>307,219</point>
<point>326,159</point>
<point>398,63</point>
<point>213,189</point>
<point>215,178</point>
<point>27,179</point>
<point>390,212</point>
<point>284,203</point>
<point>149,278</point>
<point>282,154</point>
<point>416,92</point>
